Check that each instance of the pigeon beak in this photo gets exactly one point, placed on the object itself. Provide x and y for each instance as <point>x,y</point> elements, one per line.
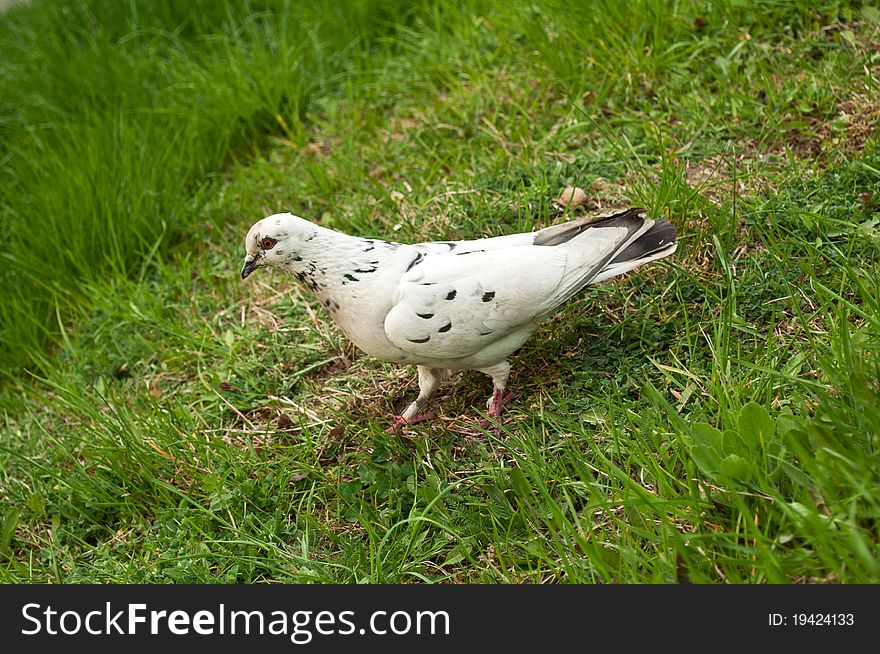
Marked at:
<point>250,265</point>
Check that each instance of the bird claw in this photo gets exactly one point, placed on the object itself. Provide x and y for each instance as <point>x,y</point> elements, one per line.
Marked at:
<point>400,422</point>
<point>488,425</point>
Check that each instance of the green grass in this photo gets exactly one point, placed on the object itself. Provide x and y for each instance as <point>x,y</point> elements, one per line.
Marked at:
<point>714,418</point>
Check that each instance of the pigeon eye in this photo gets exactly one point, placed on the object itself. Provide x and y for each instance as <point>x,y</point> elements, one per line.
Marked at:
<point>268,243</point>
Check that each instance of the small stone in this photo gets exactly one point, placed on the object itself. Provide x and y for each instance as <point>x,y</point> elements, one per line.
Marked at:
<point>572,196</point>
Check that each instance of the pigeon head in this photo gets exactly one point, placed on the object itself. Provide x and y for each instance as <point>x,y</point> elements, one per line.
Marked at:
<point>269,242</point>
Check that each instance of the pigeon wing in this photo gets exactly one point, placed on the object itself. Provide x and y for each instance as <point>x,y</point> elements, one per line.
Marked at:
<point>451,305</point>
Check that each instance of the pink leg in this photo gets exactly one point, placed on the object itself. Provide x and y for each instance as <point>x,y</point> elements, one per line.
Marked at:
<point>497,402</point>
<point>429,380</point>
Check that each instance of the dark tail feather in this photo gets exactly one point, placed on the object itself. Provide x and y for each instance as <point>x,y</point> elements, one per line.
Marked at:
<point>660,237</point>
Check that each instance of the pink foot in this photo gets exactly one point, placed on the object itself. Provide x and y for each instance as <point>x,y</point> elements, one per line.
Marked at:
<point>400,422</point>
<point>498,401</point>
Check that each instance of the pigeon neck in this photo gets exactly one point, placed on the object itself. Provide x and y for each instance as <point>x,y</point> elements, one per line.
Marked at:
<point>334,266</point>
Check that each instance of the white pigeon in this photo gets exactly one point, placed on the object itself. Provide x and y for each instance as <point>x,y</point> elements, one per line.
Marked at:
<point>452,305</point>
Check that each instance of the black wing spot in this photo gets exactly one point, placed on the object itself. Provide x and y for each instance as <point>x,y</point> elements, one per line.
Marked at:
<point>451,295</point>
<point>365,271</point>
<point>419,340</point>
<point>487,297</point>
<point>350,278</point>
<point>445,327</point>
<point>415,262</point>
<point>461,254</point>
<point>426,316</point>
<point>485,333</point>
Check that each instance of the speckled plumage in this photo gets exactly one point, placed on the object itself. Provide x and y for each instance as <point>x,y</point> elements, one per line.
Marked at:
<point>453,304</point>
